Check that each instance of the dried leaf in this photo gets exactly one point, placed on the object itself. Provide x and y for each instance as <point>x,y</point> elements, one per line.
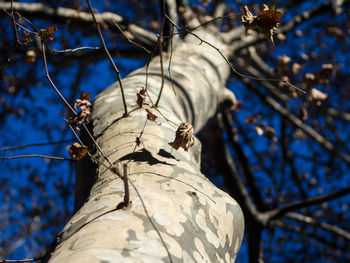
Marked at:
<point>252,119</point>
<point>320,77</point>
<point>85,106</point>
<point>150,115</point>
<point>237,106</point>
<point>154,25</point>
<point>317,96</point>
<point>283,64</point>
<point>141,98</point>
<point>284,79</point>
<point>84,96</point>
<point>299,134</point>
<point>47,33</point>
<point>30,56</point>
<point>77,151</point>
<point>295,68</point>
<point>247,19</point>
<point>324,74</point>
<point>205,2</point>
<point>27,41</point>
<point>283,60</point>
<point>267,21</point>
<point>309,79</point>
<point>259,130</point>
<point>270,134</point>
<point>303,115</point>
<point>184,137</point>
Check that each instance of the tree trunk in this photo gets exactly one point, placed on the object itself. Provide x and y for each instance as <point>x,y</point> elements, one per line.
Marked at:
<point>176,214</point>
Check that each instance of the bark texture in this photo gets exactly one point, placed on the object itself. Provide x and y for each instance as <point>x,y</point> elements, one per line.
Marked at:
<point>176,214</point>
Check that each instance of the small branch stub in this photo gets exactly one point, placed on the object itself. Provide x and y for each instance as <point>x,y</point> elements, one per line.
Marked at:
<point>184,137</point>
<point>126,202</point>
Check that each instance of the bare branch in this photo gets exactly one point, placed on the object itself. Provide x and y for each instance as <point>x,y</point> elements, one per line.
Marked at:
<point>324,142</point>
<point>109,56</point>
<point>130,40</point>
<point>234,70</point>
<point>21,260</point>
<point>278,212</point>
<point>33,145</point>
<point>35,156</point>
<point>64,15</point>
<point>160,46</point>
<point>43,46</point>
<point>171,11</point>
<point>311,221</point>
<point>233,139</point>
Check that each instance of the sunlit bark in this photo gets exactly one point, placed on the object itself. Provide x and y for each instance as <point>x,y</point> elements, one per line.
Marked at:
<point>176,214</point>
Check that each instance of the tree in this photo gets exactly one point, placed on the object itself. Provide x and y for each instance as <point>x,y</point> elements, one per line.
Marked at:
<point>138,196</point>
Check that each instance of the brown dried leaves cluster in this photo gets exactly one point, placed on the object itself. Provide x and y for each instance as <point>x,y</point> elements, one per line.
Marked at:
<point>320,77</point>
<point>141,104</point>
<point>47,33</point>
<point>261,128</point>
<point>85,111</point>
<point>267,21</point>
<point>184,137</point>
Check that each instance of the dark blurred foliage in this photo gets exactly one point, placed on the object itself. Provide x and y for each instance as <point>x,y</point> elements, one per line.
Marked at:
<point>287,164</point>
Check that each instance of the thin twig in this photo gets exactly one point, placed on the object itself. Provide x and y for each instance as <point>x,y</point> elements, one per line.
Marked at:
<point>151,221</point>
<point>170,58</point>
<point>33,145</point>
<point>21,260</point>
<point>178,180</point>
<point>43,47</point>
<point>14,24</point>
<point>328,227</point>
<point>230,65</point>
<point>160,44</point>
<point>69,50</point>
<point>96,144</point>
<point>214,20</point>
<point>68,105</point>
<point>110,57</point>
<point>139,139</point>
<point>128,38</point>
<point>35,155</point>
<point>278,212</point>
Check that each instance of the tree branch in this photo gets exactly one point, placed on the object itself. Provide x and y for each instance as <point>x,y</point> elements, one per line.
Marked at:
<point>285,28</point>
<point>109,57</point>
<point>233,139</point>
<point>310,221</point>
<point>278,212</point>
<point>37,156</point>
<point>321,140</point>
<point>33,145</point>
<point>63,15</point>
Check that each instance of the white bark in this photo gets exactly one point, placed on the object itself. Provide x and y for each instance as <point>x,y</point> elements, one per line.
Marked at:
<point>197,221</point>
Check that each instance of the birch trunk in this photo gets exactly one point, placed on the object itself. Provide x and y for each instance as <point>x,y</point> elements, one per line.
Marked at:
<point>176,214</point>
